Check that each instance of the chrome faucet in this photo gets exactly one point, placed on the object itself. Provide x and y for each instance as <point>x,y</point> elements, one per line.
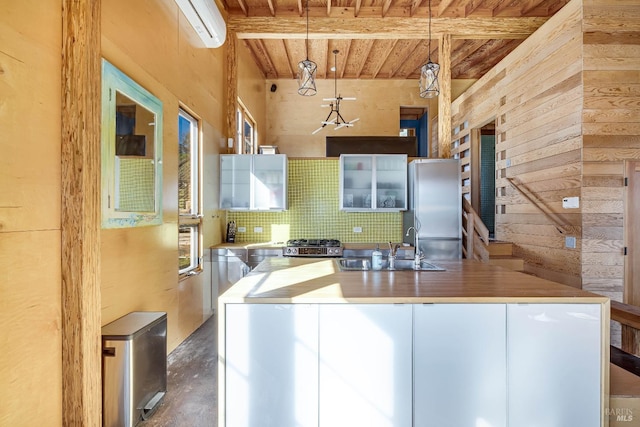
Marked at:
<point>418,256</point>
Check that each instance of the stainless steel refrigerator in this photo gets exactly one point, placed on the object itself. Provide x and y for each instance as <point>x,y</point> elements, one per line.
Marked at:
<point>435,208</point>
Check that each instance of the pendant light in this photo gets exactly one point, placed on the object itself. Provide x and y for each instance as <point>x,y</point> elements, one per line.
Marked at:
<point>334,103</point>
<point>307,69</point>
<point>429,87</point>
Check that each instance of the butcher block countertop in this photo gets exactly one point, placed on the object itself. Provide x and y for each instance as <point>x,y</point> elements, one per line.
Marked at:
<point>319,280</point>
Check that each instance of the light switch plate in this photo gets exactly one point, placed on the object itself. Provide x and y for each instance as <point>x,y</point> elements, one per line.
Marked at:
<point>257,229</point>
<point>357,229</point>
<point>242,229</point>
<point>571,202</point>
<point>570,242</point>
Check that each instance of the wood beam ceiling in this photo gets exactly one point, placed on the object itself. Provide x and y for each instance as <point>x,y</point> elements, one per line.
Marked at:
<point>333,27</point>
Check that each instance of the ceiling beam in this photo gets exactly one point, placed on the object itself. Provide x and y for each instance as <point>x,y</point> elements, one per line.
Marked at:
<point>260,27</point>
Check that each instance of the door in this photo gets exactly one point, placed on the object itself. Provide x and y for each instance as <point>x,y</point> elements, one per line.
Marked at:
<point>271,365</point>
<point>365,365</point>
<point>460,365</point>
<point>554,364</point>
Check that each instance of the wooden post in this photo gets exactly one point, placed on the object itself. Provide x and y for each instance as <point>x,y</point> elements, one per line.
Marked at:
<point>232,87</point>
<point>444,99</point>
<point>80,216</point>
<point>470,235</point>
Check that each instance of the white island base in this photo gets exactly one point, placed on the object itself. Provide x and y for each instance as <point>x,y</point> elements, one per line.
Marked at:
<point>299,354</point>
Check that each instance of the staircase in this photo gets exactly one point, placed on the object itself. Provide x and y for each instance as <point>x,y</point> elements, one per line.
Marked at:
<point>501,253</point>
<point>477,245</point>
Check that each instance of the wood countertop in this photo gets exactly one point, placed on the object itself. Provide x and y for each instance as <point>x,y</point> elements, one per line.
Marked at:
<point>319,280</point>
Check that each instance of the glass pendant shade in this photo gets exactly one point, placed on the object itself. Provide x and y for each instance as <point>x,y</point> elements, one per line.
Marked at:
<point>429,87</point>
<point>307,77</point>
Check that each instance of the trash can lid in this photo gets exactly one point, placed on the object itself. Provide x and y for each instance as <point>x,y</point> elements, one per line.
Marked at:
<point>128,325</point>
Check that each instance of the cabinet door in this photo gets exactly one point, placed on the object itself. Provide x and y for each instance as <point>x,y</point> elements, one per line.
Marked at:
<point>271,365</point>
<point>460,365</point>
<point>554,364</point>
<point>391,182</point>
<point>235,181</point>
<point>356,182</point>
<point>269,182</point>
<point>365,365</point>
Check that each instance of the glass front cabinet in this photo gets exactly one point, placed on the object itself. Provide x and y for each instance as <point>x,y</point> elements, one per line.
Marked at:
<point>373,182</point>
<point>253,182</point>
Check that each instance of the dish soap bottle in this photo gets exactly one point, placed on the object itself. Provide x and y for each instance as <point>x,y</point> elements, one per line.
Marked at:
<point>376,259</point>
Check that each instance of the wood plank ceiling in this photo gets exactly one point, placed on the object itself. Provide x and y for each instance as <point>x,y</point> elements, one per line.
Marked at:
<point>383,39</point>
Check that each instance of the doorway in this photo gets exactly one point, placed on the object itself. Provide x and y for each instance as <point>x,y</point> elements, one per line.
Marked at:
<point>482,174</point>
<point>414,122</point>
<point>487,187</point>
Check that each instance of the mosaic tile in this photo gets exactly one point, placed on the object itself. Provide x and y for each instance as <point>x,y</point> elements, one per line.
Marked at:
<point>313,198</point>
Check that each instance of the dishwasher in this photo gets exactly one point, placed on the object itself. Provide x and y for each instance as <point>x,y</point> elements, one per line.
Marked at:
<point>228,266</point>
<point>257,255</point>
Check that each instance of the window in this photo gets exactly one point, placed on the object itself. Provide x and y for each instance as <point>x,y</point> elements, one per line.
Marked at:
<point>190,219</point>
<point>131,152</point>
<point>246,130</point>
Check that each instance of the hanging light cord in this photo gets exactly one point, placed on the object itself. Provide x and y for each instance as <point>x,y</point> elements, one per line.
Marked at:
<point>429,30</point>
<point>335,74</point>
<point>307,43</point>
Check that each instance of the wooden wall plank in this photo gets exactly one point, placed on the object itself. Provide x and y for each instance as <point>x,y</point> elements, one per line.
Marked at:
<point>80,220</point>
<point>536,95</point>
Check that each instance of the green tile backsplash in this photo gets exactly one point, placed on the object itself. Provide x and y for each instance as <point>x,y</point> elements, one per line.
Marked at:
<point>313,192</point>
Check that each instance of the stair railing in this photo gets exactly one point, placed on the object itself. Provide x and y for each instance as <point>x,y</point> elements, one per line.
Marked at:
<point>475,235</point>
<point>559,223</point>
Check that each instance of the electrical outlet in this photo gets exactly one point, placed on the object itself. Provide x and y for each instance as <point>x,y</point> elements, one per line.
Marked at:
<point>257,229</point>
<point>570,242</point>
<point>242,229</point>
<point>357,229</point>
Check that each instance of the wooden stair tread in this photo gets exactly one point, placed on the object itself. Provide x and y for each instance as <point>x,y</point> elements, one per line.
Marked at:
<point>507,261</point>
<point>497,247</point>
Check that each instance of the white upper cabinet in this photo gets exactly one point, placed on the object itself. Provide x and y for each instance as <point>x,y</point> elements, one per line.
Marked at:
<point>253,182</point>
<point>373,182</point>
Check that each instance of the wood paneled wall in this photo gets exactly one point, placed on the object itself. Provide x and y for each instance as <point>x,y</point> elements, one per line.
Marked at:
<point>566,107</point>
<point>139,265</point>
<point>535,97</point>
<point>611,134</point>
<point>154,44</point>
<point>291,118</point>
<point>30,206</point>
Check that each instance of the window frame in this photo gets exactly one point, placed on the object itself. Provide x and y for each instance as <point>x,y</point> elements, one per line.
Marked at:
<point>244,116</point>
<point>192,219</point>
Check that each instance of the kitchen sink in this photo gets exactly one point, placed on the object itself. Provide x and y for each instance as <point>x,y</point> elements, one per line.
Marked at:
<point>359,264</point>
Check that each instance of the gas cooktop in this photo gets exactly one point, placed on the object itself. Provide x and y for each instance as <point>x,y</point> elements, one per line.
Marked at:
<point>313,248</point>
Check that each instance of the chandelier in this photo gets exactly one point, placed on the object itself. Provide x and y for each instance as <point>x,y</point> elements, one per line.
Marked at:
<point>338,121</point>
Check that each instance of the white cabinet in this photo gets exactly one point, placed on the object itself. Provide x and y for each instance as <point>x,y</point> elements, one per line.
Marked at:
<point>554,364</point>
<point>253,182</point>
<point>397,365</point>
<point>460,375</point>
<point>365,365</point>
<point>271,365</point>
<point>373,182</point>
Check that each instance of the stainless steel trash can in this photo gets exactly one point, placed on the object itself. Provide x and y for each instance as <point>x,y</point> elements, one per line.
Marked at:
<point>134,367</point>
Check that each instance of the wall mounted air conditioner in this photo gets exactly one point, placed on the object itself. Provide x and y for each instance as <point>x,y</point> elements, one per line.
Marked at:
<point>205,18</point>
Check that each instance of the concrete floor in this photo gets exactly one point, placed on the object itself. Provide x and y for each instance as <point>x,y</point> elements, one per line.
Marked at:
<point>191,398</point>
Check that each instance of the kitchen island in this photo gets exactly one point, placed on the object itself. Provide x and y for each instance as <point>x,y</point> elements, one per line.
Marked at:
<point>302,343</point>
